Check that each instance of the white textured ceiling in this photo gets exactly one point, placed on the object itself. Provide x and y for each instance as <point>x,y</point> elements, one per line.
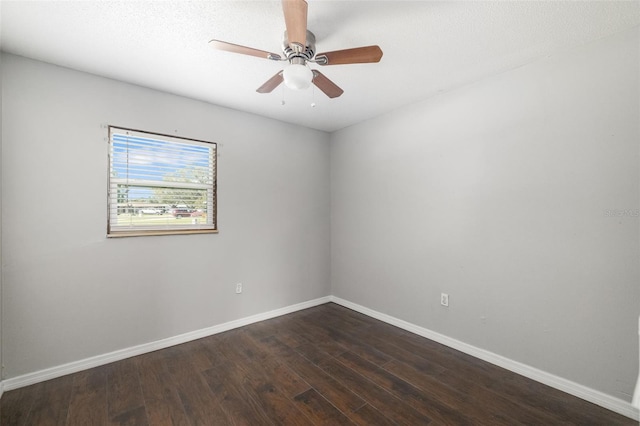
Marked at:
<point>429,47</point>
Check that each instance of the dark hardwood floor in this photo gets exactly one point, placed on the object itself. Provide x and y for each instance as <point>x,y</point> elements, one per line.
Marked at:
<point>325,365</point>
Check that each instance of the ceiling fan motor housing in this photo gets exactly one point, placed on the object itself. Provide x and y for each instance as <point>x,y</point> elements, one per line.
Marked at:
<point>300,55</point>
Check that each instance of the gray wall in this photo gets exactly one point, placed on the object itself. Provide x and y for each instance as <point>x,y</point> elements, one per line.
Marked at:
<point>70,293</point>
<point>1,261</point>
<point>499,194</point>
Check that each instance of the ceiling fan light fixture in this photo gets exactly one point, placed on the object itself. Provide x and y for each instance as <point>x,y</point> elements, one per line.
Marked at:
<point>297,76</point>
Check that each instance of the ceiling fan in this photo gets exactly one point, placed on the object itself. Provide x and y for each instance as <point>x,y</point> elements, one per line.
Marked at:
<point>298,48</point>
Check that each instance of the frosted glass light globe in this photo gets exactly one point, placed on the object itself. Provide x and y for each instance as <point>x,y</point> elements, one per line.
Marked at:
<point>297,76</point>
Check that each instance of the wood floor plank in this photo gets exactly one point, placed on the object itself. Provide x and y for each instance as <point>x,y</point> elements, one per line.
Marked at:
<point>88,403</point>
<point>266,381</point>
<point>197,355</point>
<point>340,318</point>
<point>487,407</point>
<point>211,345</point>
<point>124,393</point>
<point>456,368</point>
<point>336,393</point>
<point>279,408</point>
<point>283,329</point>
<point>356,346</point>
<point>388,404</point>
<point>317,337</point>
<point>260,361</point>
<point>565,407</point>
<point>483,403</point>
<point>425,365</point>
<point>51,407</point>
<point>493,379</point>
<point>424,402</point>
<point>313,353</point>
<point>162,402</point>
<point>200,404</point>
<point>240,408</point>
<point>239,344</point>
<point>135,417</point>
<point>319,410</point>
<point>262,329</point>
<point>367,416</point>
<point>16,404</point>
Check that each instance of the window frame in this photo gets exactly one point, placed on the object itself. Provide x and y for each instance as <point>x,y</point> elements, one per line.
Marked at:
<point>139,231</point>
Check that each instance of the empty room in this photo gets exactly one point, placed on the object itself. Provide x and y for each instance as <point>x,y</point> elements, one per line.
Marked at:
<point>320,212</point>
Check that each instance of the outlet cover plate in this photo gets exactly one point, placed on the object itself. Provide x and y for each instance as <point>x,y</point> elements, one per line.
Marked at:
<point>444,299</point>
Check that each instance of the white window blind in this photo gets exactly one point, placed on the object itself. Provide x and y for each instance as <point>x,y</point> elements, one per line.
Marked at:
<point>160,184</point>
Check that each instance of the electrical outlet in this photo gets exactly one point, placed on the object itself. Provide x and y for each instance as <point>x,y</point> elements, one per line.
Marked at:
<point>239,288</point>
<point>444,299</point>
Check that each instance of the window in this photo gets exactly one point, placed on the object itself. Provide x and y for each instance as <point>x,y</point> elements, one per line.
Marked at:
<point>160,184</point>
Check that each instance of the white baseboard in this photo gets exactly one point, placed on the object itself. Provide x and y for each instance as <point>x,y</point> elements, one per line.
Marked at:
<point>606,401</point>
<point>1,389</point>
<point>96,361</point>
<point>636,393</point>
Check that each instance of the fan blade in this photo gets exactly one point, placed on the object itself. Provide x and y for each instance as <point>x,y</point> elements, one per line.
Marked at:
<point>357,55</point>
<point>271,84</point>
<point>295,19</point>
<point>327,86</point>
<point>236,48</point>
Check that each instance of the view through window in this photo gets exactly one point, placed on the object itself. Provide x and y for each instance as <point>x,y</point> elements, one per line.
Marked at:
<point>160,184</point>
